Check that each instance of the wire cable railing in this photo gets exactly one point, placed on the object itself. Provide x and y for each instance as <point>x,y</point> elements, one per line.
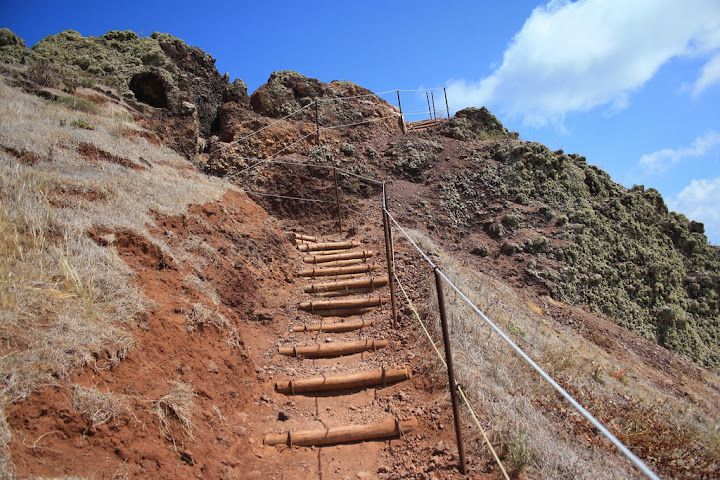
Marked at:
<point>584,412</point>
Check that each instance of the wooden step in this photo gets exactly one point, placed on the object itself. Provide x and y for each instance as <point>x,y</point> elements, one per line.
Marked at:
<point>352,303</point>
<point>333,327</point>
<point>363,254</point>
<point>367,282</point>
<point>324,383</point>
<point>296,238</point>
<point>332,271</point>
<point>341,263</point>
<point>333,349</point>
<point>309,247</point>
<point>389,428</point>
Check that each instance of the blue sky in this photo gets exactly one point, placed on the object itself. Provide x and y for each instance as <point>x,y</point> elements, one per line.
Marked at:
<point>632,85</point>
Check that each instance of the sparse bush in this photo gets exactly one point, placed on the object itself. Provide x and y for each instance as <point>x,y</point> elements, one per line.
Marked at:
<point>481,251</point>
<point>82,123</point>
<point>347,149</point>
<point>537,245</point>
<point>509,248</point>
<point>512,221</point>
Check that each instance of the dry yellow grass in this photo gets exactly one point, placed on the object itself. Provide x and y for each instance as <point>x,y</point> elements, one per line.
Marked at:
<point>63,298</point>
<point>530,422</point>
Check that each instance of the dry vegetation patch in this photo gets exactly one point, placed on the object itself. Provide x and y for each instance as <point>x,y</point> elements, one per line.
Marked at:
<point>535,429</point>
<point>65,300</point>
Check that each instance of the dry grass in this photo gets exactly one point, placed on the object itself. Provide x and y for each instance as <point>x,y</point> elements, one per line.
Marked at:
<point>535,429</point>
<point>177,405</point>
<point>99,407</point>
<point>199,315</point>
<point>66,302</point>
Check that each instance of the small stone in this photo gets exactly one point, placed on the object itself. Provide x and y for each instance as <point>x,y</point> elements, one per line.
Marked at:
<point>265,398</point>
<point>282,416</point>
<point>213,368</point>
<point>442,446</point>
<point>251,441</point>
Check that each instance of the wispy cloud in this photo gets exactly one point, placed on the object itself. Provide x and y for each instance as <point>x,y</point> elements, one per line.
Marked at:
<point>699,201</point>
<point>709,76</point>
<point>660,161</point>
<point>575,56</point>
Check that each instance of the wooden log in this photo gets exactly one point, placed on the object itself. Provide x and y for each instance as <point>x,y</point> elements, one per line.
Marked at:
<point>326,272</point>
<point>325,252</point>
<point>341,263</point>
<point>370,282</point>
<point>341,382</point>
<point>338,256</point>
<point>344,303</point>
<point>333,349</point>
<point>309,247</point>
<point>296,238</point>
<point>344,293</point>
<point>389,428</point>
<point>347,312</point>
<point>333,327</point>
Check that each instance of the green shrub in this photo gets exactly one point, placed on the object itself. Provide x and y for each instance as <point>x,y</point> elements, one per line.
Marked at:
<point>78,104</point>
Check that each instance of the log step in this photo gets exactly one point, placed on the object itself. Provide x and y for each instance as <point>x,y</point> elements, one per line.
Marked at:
<point>338,256</point>
<point>326,272</point>
<point>389,428</point>
<point>334,327</point>
<point>296,238</point>
<point>323,383</point>
<point>344,303</point>
<point>344,312</point>
<point>371,282</point>
<point>333,349</point>
<point>309,247</point>
<point>342,263</point>
<point>344,293</point>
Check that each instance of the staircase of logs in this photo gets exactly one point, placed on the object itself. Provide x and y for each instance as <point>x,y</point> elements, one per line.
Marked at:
<point>343,284</point>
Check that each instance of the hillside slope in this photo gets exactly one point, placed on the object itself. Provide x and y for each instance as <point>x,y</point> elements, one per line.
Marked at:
<point>143,299</point>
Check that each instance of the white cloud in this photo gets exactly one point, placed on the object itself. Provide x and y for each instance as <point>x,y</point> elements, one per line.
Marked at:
<point>709,76</point>
<point>576,56</point>
<point>661,160</point>
<point>700,201</point>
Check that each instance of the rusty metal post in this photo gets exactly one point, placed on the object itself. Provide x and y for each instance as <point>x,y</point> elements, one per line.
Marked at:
<point>450,368</point>
<point>317,124</point>
<point>432,95</point>
<point>427,97</point>
<point>447,107</point>
<point>391,266</point>
<point>399,104</point>
<point>337,199</point>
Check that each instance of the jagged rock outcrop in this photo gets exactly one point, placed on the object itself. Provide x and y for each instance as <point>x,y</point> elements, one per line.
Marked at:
<point>158,72</point>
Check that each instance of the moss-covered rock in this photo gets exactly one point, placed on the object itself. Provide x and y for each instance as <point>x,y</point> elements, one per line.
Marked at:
<point>161,70</point>
<point>12,47</point>
<point>477,123</point>
<point>620,251</point>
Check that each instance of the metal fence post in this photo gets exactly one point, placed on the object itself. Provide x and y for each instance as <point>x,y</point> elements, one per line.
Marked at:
<point>451,369</point>
<point>390,264</point>
<point>447,107</point>
<point>427,97</point>
<point>432,96</point>
<point>337,199</point>
<point>317,123</point>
